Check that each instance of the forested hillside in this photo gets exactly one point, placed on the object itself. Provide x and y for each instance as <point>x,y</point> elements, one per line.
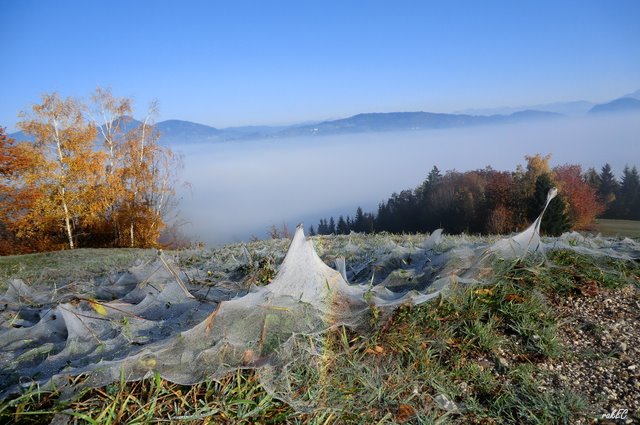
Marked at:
<point>488,201</point>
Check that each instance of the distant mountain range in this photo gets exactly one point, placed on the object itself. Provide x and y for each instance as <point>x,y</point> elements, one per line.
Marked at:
<point>399,121</point>
<point>624,104</point>
<point>575,108</point>
<point>176,132</point>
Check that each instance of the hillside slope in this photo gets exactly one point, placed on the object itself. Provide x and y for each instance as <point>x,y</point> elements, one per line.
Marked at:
<point>478,351</point>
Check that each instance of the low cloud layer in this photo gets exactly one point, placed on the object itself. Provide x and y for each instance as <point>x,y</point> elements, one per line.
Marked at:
<point>239,189</point>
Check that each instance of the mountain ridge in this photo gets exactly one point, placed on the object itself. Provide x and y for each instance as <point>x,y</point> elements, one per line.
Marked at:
<point>418,120</point>
<point>576,107</point>
<point>623,104</point>
<point>176,132</point>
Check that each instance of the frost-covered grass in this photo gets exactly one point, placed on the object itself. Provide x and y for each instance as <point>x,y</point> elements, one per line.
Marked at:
<point>478,348</point>
<point>66,266</point>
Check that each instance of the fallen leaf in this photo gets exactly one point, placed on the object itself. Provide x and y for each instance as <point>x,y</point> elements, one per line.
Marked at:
<point>483,291</point>
<point>405,412</point>
<point>99,308</point>
<point>249,357</point>
<point>514,297</point>
<point>211,317</point>
<point>375,350</point>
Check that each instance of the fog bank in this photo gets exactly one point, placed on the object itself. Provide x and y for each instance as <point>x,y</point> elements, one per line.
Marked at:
<point>239,189</point>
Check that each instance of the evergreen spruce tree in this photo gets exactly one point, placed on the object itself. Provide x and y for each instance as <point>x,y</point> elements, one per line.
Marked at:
<point>555,220</point>
<point>629,199</point>
<point>383,218</point>
<point>312,231</point>
<point>322,227</point>
<point>331,230</point>
<point>608,190</point>
<point>434,176</point>
<point>591,176</point>
<point>369,223</point>
<point>425,219</point>
<point>359,224</point>
<point>341,228</point>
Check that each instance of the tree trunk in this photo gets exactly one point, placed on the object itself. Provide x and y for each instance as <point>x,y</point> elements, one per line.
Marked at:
<point>67,219</point>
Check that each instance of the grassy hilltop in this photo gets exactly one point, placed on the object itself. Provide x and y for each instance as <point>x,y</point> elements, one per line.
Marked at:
<point>546,341</point>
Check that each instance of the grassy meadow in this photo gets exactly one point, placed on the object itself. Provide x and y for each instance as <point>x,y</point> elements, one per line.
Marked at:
<point>623,228</point>
<point>473,356</point>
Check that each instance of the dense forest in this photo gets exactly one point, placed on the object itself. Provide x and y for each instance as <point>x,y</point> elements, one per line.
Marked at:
<point>489,201</point>
<point>88,179</point>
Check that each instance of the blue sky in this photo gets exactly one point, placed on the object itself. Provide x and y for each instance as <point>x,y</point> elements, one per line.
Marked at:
<point>237,62</point>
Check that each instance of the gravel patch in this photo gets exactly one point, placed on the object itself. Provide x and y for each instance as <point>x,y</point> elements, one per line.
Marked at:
<point>601,335</point>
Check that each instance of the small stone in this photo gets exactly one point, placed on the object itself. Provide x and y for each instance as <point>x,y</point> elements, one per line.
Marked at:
<point>623,347</point>
<point>446,404</point>
<point>485,363</point>
<point>632,367</point>
<point>503,363</point>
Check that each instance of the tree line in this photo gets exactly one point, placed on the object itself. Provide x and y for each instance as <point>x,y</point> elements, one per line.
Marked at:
<point>488,201</point>
<point>91,177</point>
